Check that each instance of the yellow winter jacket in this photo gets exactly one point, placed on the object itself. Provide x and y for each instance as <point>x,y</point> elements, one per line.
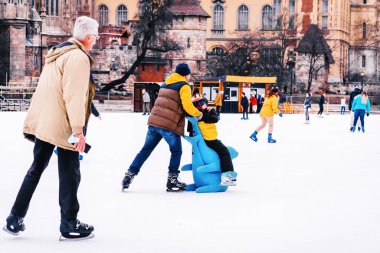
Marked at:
<point>218,100</point>
<point>270,107</point>
<point>208,130</point>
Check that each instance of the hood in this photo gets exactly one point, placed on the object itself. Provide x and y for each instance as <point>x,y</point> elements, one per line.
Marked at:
<point>56,51</point>
<point>175,78</point>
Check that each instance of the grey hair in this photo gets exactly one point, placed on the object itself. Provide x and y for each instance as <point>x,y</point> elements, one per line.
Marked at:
<point>83,26</point>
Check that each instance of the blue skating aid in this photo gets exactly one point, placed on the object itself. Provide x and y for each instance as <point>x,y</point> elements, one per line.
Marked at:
<point>205,163</point>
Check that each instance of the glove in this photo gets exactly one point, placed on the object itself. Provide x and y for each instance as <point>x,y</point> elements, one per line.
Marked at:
<point>280,114</point>
<point>367,114</point>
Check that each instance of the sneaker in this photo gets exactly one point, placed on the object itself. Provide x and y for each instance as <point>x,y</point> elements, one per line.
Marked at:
<point>228,178</point>
<point>127,180</point>
<point>74,229</point>
<point>14,225</point>
<point>173,184</point>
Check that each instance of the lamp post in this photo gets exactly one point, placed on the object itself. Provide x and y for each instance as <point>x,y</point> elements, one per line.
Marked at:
<point>362,75</point>
<point>291,63</point>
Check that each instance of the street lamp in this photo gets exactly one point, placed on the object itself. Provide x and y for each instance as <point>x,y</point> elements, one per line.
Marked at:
<point>291,63</point>
<point>362,75</point>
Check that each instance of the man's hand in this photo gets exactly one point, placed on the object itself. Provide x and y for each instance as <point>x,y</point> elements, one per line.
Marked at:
<point>81,144</point>
<point>199,117</point>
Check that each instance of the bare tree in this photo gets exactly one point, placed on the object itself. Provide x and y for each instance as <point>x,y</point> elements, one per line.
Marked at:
<point>317,52</point>
<point>149,34</point>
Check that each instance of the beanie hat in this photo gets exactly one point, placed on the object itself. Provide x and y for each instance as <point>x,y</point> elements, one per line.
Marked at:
<point>183,69</point>
<point>356,86</point>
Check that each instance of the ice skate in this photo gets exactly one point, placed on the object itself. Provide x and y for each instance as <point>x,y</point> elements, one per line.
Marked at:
<point>254,136</point>
<point>127,180</point>
<point>14,225</point>
<point>270,139</point>
<point>228,178</point>
<point>75,230</point>
<point>173,185</point>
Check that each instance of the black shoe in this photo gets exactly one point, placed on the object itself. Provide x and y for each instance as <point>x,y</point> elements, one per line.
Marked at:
<point>15,224</point>
<point>352,128</point>
<point>173,185</point>
<point>127,180</point>
<point>144,114</point>
<point>359,129</point>
<point>74,229</point>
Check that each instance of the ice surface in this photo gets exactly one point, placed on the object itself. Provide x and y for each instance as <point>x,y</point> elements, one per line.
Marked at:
<point>317,190</point>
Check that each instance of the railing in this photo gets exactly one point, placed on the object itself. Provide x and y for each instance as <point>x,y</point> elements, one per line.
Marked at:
<point>294,104</point>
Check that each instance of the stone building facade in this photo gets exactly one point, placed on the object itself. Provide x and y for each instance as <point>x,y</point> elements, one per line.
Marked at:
<point>350,27</point>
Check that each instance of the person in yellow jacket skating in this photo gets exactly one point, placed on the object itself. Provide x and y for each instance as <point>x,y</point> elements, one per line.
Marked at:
<point>270,107</point>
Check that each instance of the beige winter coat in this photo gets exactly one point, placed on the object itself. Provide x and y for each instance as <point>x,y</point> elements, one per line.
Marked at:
<point>61,103</point>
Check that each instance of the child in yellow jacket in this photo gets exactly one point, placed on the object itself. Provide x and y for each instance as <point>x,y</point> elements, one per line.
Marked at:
<point>207,126</point>
<point>270,107</point>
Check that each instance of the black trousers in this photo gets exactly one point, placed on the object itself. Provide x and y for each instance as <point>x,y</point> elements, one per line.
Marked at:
<point>320,109</point>
<point>69,178</point>
<point>223,153</point>
<point>218,109</point>
<point>245,112</point>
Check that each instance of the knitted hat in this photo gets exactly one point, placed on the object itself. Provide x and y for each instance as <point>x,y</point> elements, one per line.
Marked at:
<point>356,86</point>
<point>183,69</point>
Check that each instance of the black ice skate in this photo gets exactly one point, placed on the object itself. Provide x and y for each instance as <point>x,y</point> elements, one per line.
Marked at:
<point>173,185</point>
<point>127,180</point>
<point>75,230</point>
<point>14,225</point>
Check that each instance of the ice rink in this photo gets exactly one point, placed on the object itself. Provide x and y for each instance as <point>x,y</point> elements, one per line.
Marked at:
<point>317,190</point>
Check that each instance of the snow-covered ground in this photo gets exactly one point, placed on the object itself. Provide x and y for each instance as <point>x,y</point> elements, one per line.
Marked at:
<point>315,191</point>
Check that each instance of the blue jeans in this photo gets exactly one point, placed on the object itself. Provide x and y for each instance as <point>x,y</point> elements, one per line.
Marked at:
<point>359,113</point>
<point>153,137</point>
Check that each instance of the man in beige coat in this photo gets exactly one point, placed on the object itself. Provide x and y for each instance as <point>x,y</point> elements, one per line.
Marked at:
<point>60,108</point>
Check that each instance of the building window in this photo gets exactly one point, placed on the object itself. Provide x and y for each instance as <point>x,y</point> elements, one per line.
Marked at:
<point>243,18</point>
<point>217,51</point>
<point>325,6</point>
<point>171,64</point>
<point>52,7</point>
<point>292,6</point>
<point>218,17</point>
<point>277,7</point>
<point>364,61</point>
<point>79,4</point>
<point>324,22</point>
<point>267,17</point>
<point>199,65</point>
<point>364,29</point>
<point>364,1</point>
<point>188,42</point>
<point>103,15</point>
<point>122,14</point>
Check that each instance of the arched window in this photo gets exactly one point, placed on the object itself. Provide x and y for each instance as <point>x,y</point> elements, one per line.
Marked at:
<point>218,17</point>
<point>122,14</point>
<point>103,15</point>
<point>267,18</point>
<point>243,18</point>
<point>364,30</point>
<point>364,61</point>
<point>217,51</point>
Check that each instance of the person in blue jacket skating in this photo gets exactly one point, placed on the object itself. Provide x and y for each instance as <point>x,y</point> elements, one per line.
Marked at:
<point>361,106</point>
